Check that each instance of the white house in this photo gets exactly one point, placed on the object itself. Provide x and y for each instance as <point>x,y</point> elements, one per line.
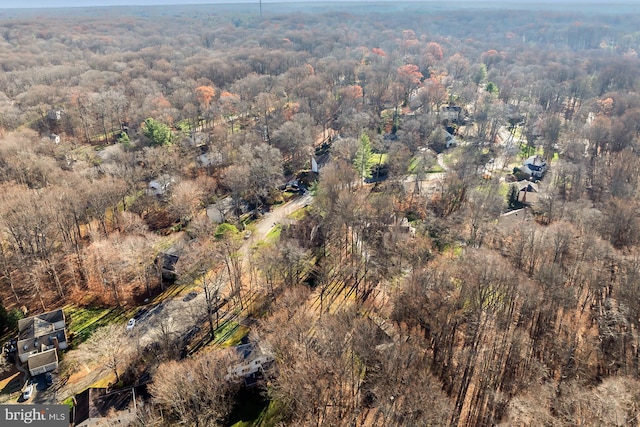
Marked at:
<point>253,361</point>
<point>534,166</point>
<point>160,185</point>
<point>450,140</point>
<point>209,159</point>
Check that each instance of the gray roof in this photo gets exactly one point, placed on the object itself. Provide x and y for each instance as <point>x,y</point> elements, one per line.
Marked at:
<point>528,186</point>
<point>42,359</point>
<point>39,325</point>
<point>40,330</point>
<point>535,161</point>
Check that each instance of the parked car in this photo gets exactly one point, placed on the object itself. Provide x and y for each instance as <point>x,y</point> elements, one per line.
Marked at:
<point>130,324</point>
<point>191,295</point>
<point>28,392</point>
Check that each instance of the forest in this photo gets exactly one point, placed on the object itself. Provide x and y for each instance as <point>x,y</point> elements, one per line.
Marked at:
<point>420,213</point>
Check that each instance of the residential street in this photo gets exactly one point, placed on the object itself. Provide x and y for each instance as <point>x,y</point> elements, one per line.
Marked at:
<point>175,316</point>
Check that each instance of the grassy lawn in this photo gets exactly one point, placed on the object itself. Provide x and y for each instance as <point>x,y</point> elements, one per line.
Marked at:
<point>435,169</point>
<point>230,334</point>
<point>503,190</point>
<point>257,412</point>
<point>166,242</point>
<point>299,214</point>
<point>448,157</point>
<point>274,234</point>
<point>68,401</point>
<point>82,321</point>
<point>415,161</point>
<point>378,158</point>
<point>251,405</point>
<point>288,195</point>
<point>105,381</point>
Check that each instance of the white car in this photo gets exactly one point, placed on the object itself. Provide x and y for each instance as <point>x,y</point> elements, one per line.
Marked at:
<point>130,324</point>
<point>28,392</point>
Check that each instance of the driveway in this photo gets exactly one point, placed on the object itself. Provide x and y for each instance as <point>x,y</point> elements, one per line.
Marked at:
<point>276,216</point>
<point>174,316</point>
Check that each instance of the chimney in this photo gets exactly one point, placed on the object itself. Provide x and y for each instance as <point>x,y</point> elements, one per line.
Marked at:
<point>55,343</point>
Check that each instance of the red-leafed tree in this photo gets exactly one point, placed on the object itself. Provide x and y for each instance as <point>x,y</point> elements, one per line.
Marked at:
<point>409,76</point>
<point>204,95</point>
<point>410,73</point>
<point>435,50</point>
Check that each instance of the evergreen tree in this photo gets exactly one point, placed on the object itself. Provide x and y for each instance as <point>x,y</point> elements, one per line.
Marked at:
<point>157,132</point>
<point>362,162</point>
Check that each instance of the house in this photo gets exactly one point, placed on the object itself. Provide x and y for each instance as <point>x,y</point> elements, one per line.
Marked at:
<point>534,166</point>
<point>166,263</point>
<point>253,362</point>
<point>54,115</point>
<point>159,186</point>
<point>218,212</point>
<point>39,338</point>
<point>527,192</point>
<point>198,139</point>
<point>450,140</point>
<point>98,407</point>
<point>452,113</point>
<point>210,159</point>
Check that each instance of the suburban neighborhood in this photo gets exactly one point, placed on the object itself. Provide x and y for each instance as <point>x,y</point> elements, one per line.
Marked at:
<point>320,214</point>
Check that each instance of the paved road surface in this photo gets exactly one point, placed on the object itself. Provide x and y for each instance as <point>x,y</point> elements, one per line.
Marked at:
<point>174,316</point>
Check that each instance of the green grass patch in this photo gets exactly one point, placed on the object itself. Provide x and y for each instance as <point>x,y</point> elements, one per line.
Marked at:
<point>274,234</point>
<point>225,228</point>
<point>247,220</point>
<point>378,158</point>
<point>230,334</point>
<point>503,189</point>
<point>415,161</point>
<point>313,188</point>
<point>288,195</point>
<point>83,321</point>
<point>105,381</point>
<point>453,250</point>
<point>436,169</point>
<point>517,133</point>
<point>69,402</point>
<point>272,416</point>
<point>130,200</point>
<point>174,290</point>
<point>299,214</point>
<point>527,151</point>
